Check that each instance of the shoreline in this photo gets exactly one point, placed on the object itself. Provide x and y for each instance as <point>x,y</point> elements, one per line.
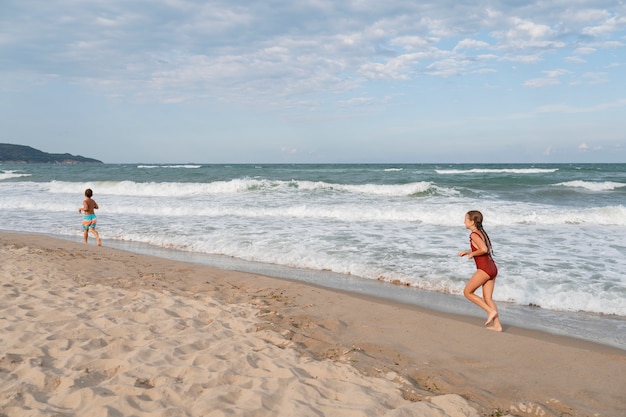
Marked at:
<point>428,354</point>
<point>592,327</point>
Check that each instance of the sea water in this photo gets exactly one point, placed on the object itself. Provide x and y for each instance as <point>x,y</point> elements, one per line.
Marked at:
<point>558,231</point>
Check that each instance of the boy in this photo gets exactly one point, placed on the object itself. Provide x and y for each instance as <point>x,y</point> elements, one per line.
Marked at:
<point>89,218</point>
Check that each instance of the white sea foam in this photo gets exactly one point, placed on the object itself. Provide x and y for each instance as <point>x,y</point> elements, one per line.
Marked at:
<point>154,189</point>
<point>593,186</point>
<point>173,189</point>
<point>389,190</point>
<point>547,215</point>
<point>496,171</point>
<point>8,174</point>
<point>169,166</point>
<point>284,199</point>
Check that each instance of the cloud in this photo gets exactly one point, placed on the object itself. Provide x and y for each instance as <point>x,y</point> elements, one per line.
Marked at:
<point>398,68</point>
<point>584,147</point>
<point>524,34</point>
<point>541,82</point>
<point>471,44</point>
<point>569,109</point>
<point>585,50</point>
<point>413,43</point>
<point>523,59</point>
<point>556,73</point>
<point>281,52</point>
<point>358,101</point>
<point>575,59</point>
<point>551,78</point>
<point>610,25</point>
<point>289,151</point>
<point>595,77</point>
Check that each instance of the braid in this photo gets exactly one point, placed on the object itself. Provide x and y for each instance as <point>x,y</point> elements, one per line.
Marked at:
<point>477,217</point>
<point>487,240</point>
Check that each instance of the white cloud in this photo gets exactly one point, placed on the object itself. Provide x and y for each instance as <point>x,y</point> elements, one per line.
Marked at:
<point>606,27</point>
<point>484,71</point>
<point>556,72</point>
<point>397,68</point>
<point>523,59</point>
<point>584,50</point>
<point>569,109</point>
<point>525,33</point>
<point>413,43</point>
<point>551,78</point>
<point>596,77</point>
<point>448,67</point>
<point>575,59</point>
<point>289,151</point>
<point>541,82</point>
<point>471,44</point>
<point>357,101</point>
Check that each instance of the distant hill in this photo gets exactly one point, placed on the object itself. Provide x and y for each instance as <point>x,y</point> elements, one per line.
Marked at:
<point>27,155</point>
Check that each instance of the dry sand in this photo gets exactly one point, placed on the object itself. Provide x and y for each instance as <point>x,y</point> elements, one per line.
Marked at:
<point>93,331</point>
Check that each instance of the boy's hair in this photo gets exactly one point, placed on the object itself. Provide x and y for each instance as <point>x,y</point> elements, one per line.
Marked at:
<point>88,192</point>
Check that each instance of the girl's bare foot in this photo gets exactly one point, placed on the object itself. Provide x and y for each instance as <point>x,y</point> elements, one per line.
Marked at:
<point>497,326</point>
<point>491,317</point>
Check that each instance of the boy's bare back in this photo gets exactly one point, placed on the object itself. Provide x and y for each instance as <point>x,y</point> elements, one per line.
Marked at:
<point>89,206</point>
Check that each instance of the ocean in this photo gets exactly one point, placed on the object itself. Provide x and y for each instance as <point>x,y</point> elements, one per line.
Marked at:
<point>391,230</point>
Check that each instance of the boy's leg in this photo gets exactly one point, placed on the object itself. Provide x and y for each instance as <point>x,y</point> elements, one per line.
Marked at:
<point>97,235</point>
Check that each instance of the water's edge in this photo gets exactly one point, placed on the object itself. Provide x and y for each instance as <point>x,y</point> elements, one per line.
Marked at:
<point>601,329</point>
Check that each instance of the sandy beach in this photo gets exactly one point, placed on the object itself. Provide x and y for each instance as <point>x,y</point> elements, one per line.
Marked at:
<point>96,331</point>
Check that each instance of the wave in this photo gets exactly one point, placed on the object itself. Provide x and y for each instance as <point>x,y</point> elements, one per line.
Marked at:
<point>497,171</point>
<point>168,166</point>
<point>179,189</point>
<point>389,190</point>
<point>355,210</point>
<point>5,175</point>
<point>556,292</point>
<point>593,186</point>
<point>608,215</point>
<point>152,189</point>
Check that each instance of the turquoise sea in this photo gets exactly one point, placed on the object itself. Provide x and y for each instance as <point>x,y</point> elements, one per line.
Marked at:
<point>559,231</point>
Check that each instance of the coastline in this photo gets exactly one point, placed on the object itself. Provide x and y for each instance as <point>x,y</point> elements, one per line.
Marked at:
<point>426,354</point>
<point>591,327</point>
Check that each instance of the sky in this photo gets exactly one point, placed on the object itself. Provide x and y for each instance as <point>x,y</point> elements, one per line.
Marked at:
<point>316,81</point>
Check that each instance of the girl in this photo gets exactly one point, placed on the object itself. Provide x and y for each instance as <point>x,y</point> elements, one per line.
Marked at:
<point>486,269</point>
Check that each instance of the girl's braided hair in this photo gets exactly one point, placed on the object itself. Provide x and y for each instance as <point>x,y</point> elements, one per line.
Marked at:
<point>477,217</point>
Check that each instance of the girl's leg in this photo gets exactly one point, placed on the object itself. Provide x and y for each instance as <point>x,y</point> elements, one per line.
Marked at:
<point>479,279</point>
<point>487,295</point>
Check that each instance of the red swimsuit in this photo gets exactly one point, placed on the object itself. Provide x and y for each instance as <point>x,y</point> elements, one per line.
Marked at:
<point>484,262</point>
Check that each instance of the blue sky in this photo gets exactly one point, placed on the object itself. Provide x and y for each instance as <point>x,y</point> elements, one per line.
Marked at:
<point>315,80</point>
